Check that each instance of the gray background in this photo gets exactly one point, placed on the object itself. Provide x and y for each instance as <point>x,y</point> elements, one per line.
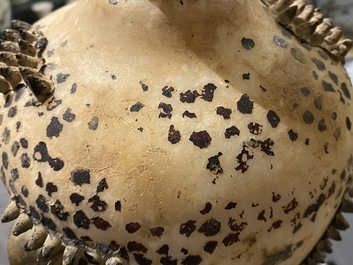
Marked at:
<point>342,10</point>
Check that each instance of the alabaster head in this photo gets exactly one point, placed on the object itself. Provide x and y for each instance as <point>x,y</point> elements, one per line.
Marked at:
<point>177,132</point>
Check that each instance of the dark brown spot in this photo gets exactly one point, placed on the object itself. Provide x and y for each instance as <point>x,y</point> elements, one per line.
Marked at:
<point>225,112</point>
<point>210,227</point>
<point>201,139</point>
<point>187,228</point>
<point>132,227</point>
<point>81,220</point>
<point>81,176</point>
<point>214,165</point>
<point>208,92</point>
<point>174,136</point>
<point>210,246</point>
<point>232,131</point>
<point>157,231</point>
<point>245,105</point>
<point>188,96</point>
<point>206,209</point>
<point>101,223</point>
<point>248,44</point>
<point>54,128</point>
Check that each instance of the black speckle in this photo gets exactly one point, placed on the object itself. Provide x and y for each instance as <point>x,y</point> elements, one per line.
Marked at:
<point>6,135</point>
<point>15,147</point>
<point>100,223</point>
<point>102,185</point>
<point>24,191</point>
<point>280,42</point>
<point>167,91</point>
<point>132,227</point>
<point>315,75</point>
<point>25,161</point>
<point>298,55</point>
<point>348,123</point>
<point>345,90</point>
<point>81,176</point>
<point>24,143</point>
<point>135,246</point>
<point>201,139</point>
<point>210,246</point>
<point>143,86</point>
<point>41,155</point>
<point>255,128</point>
<point>208,92</point>
<point>167,109</point>
<point>73,88</point>
<point>141,260</point>
<point>192,260</point>
<point>327,86</point>
<point>5,160</point>
<point>51,188</point>
<point>333,77</point>
<point>210,227</point>
<point>113,76</point>
<point>189,115</point>
<point>157,231</point>
<point>98,205</point>
<point>54,128</point>
<point>14,174</point>
<point>246,76</point>
<point>39,180</point>
<point>293,135</point>
<point>93,124</point>
<point>305,91</point>
<point>322,125</point>
<point>206,209</point>
<point>273,118</point>
<point>42,203</point>
<point>174,136</point>
<point>242,159</point>
<point>318,103</point>
<point>8,100</point>
<point>12,112</point>
<point>136,107</point>
<point>48,223</point>
<point>69,116</point>
<point>76,198</point>
<point>214,165</point>
<point>53,103</point>
<point>232,131</point>
<point>69,233</point>
<point>187,228</point>
<point>247,43</point>
<point>291,206</point>
<point>320,65</point>
<point>231,239</point>
<point>225,112</point>
<point>188,96</point>
<point>230,206</point>
<point>58,210</point>
<point>308,117</point>
<point>81,220</point>
<point>61,78</point>
<point>245,105</point>
<point>117,206</point>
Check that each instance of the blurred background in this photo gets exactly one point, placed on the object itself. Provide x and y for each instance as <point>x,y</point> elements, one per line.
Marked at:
<point>31,10</point>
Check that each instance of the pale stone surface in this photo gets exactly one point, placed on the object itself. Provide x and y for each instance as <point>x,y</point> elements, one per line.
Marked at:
<point>3,242</point>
